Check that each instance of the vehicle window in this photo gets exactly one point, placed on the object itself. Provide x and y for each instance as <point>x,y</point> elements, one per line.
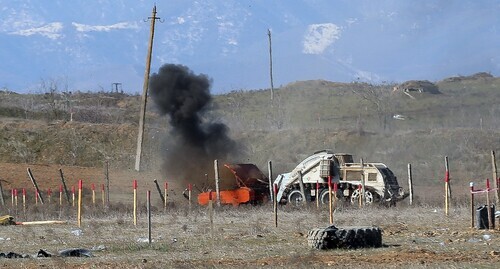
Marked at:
<point>372,176</point>
<point>353,175</point>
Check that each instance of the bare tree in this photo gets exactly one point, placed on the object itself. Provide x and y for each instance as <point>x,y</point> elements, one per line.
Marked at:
<point>379,97</point>
<point>51,89</point>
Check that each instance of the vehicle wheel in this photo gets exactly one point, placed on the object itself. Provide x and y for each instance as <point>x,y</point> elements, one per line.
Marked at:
<point>324,197</point>
<point>296,198</point>
<point>349,237</point>
<point>369,197</point>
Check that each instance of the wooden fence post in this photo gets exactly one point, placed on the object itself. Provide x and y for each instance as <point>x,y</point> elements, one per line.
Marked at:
<point>134,185</point>
<point>217,190</point>
<point>93,194</point>
<point>495,177</point>
<point>410,184</point>
<point>317,194</point>
<point>471,204</point>
<point>211,212</point>
<point>148,201</point>
<point>106,175</point>
<point>64,185</point>
<point>103,196</point>
<point>490,224</point>
<point>49,194</point>
<point>302,189</point>
<point>73,195</point>
<point>159,190</point>
<point>190,190</point>
<point>24,202</point>
<point>35,185</point>
<point>166,194</point>
<point>270,176</point>
<point>363,186</point>
<point>330,201</point>
<point>60,194</point>
<point>275,206</point>
<point>2,199</point>
<point>446,187</point>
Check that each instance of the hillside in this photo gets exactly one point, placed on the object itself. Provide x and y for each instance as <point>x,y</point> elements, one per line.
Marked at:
<point>373,122</point>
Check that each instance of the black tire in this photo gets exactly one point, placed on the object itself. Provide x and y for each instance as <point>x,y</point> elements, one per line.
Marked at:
<point>319,238</point>
<point>324,196</point>
<point>296,198</point>
<point>351,238</point>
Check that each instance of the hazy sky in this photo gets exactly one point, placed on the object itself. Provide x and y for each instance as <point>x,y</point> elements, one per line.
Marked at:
<point>91,44</point>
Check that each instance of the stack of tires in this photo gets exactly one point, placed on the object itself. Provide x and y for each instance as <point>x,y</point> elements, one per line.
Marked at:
<point>349,237</point>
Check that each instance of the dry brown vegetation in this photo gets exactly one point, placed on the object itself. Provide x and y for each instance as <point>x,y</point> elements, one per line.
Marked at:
<point>463,123</point>
<point>413,237</point>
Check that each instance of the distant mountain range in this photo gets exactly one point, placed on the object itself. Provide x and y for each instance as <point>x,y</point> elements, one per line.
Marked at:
<point>88,45</point>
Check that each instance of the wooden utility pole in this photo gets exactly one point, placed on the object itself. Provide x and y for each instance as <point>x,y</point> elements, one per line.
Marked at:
<point>271,64</point>
<point>144,98</point>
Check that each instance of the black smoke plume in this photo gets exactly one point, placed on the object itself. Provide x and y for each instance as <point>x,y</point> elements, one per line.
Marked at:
<point>194,143</point>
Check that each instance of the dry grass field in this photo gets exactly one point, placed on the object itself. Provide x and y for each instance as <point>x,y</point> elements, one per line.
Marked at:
<point>79,132</point>
<point>245,237</point>
<point>414,237</point>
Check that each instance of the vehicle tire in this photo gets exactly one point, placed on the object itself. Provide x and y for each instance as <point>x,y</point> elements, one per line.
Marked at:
<point>324,197</point>
<point>318,238</point>
<point>296,198</point>
<point>370,197</point>
<point>350,237</point>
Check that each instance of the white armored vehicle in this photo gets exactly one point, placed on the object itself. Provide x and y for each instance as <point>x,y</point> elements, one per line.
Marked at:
<point>300,184</point>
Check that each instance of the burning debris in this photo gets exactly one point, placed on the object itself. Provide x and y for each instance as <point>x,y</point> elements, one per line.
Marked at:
<point>194,142</point>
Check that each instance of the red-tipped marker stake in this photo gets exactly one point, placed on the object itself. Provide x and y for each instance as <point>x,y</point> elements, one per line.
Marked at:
<point>79,215</point>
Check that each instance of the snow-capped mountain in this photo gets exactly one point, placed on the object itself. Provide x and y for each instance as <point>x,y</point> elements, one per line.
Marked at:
<point>91,44</point>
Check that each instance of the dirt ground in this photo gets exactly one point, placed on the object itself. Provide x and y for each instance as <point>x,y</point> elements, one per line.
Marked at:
<point>183,236</point>
<point>13,175</point>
